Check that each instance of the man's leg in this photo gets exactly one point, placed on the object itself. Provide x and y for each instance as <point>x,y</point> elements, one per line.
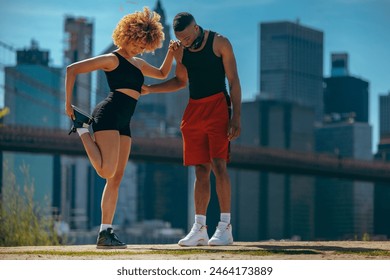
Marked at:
<point>222,181</point>
<point>202,188</point>
<point>198,235</point>
<point>223,233</point>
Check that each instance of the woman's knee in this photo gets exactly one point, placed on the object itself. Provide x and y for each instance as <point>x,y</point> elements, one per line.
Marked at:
<point>106,172</point>
<point>117,178</point>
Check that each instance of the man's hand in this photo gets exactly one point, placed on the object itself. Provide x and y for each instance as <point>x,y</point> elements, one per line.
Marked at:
<point>234,128</point>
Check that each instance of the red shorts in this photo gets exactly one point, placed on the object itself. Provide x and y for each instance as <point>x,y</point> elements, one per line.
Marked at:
<point>204,128</point>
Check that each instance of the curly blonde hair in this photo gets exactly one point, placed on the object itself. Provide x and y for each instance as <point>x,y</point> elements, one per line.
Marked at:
<point>140,28</point>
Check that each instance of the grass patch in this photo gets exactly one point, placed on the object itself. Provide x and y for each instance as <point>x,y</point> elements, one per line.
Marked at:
<point>162,252</point>
<point>23,221</point>
<point>371,253</point>
<point>184,252</point>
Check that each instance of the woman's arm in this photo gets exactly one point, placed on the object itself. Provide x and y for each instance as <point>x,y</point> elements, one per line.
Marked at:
<point>165,68</point>
<point>104,62</point>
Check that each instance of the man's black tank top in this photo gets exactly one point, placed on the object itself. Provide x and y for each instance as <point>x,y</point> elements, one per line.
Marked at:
<point>206,73</point>
<point>126,75</point>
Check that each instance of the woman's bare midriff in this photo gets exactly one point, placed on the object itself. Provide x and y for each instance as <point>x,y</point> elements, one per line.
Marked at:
<point>130,92</point>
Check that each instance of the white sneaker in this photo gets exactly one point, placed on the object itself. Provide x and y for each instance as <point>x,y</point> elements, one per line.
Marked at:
<point>222,236</point>
<point>197,237</point>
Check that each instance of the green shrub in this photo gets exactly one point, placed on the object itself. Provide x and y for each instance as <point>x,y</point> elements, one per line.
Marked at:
<point>22,221</point>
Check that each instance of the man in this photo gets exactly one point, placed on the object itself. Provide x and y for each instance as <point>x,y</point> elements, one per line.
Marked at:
<point>206,59</point>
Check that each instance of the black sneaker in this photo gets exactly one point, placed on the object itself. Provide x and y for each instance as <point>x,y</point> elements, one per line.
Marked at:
<point>107,239</point>
<point>81,118</point>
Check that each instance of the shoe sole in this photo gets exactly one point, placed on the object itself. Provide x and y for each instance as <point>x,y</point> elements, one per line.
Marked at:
<point>227,244</point>
<point>200,243</point>
<point>84,114</point>
<point>110,247</point>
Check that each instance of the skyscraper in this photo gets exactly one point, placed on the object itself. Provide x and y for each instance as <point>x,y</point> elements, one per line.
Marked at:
<point>345,208</point>
<point>291,64</point>
<point>339,65</point>
<point>345,94</point>
<point>32,89</point>
<point>281,205</point>
<point>79,46</point>
<point>79,195</point>
<point>291,74</point>
<point>382,189</point>
<point>384,116</point>
<point>33,97</point>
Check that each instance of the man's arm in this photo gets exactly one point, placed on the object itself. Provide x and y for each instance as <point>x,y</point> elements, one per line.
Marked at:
<point>224,47</point>
<point>173,84</point>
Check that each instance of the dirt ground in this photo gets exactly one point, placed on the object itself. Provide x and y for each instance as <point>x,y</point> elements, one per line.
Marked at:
<point>278,250</point>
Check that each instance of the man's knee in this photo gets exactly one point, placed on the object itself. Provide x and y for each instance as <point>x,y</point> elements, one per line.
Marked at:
<point>202,171</point>
<point>219,167</point>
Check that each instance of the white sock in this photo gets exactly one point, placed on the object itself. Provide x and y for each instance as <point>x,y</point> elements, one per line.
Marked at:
<point>200,219</point>
<point>104,227</point>
<point>82,130</point>
<point>225,217</point>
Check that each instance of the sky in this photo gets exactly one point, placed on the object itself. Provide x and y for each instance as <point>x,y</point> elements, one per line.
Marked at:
<point>358,27</point>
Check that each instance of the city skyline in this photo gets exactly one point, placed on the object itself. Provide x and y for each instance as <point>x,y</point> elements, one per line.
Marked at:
<point>286,202</point>
<point>357,27</point>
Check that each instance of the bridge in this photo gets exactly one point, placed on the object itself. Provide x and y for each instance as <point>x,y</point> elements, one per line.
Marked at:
<point>57,141</point>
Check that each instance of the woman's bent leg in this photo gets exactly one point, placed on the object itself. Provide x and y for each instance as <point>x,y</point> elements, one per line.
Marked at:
<point>103,152</point>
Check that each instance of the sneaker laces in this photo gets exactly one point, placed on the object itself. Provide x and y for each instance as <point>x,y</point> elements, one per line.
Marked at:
<point>195,229</point>
<point>221,228</point>
<point>113,235</point>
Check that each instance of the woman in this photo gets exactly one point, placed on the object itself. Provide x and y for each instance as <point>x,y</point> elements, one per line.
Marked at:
<point>109,149</point>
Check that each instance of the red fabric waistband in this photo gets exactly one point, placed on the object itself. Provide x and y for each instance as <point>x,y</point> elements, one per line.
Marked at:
<point>211,98</point>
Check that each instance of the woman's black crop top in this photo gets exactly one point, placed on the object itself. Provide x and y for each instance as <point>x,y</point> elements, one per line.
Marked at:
<point>126,75</point>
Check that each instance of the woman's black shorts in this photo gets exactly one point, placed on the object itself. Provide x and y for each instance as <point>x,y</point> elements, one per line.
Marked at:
<point>114,113</point>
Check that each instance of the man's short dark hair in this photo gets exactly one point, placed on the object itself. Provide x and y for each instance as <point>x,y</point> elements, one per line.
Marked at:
<point>182,20</point>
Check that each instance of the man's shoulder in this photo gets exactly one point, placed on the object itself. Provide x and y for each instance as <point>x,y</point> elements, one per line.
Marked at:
<point>221,41</point>
<point>218,36</point>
